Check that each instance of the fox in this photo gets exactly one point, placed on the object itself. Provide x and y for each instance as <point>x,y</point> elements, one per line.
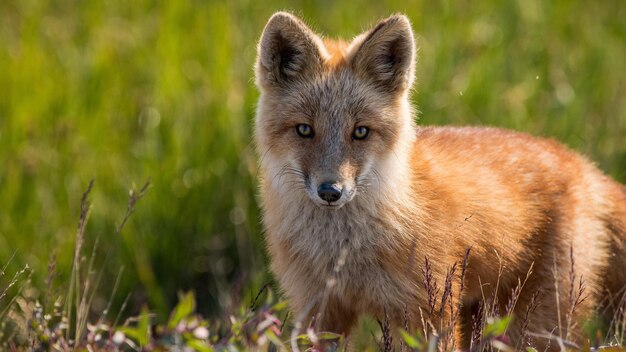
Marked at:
<point>361,207</point>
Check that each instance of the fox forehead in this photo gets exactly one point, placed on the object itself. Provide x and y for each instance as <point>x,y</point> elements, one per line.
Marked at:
<point>334,91</point>
<point>331,94</point>
<point>335,100</point>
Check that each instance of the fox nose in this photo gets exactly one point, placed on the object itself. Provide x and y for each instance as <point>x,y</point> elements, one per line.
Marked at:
<point>329,192</point>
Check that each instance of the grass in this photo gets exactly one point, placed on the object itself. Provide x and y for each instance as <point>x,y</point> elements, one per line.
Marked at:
<point>68,321</point>
<point>121,92</point>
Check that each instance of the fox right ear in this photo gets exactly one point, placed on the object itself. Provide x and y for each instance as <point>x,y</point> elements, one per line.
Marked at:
<point>386,54</point>
<point>288,50</point>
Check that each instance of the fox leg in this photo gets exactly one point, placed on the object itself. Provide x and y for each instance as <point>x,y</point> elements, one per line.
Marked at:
<point>327,315</point>
<point>335,317</point>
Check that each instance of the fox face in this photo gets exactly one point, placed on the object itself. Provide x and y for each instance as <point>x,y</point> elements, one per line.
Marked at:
<point>331,114</point>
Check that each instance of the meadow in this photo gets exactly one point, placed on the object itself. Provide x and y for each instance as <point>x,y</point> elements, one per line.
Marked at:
<point>127,93</point>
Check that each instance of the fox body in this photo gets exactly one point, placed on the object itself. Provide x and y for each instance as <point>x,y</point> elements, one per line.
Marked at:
<point>359,203</point>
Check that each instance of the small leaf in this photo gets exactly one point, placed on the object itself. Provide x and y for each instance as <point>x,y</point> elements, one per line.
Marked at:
<point>185,307</point>
<point>274,339</point>
<point>498,327</point>
<point>143,327</point>
<point>410,340</point>
<point>328,336</point>
<point>139,333</point>
<point>199,346</point>
<point>129,331</point>
<point>279,306</point>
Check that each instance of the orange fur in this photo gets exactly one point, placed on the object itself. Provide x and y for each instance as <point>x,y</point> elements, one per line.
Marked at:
<point>337,50</point>
<point>409,193</point>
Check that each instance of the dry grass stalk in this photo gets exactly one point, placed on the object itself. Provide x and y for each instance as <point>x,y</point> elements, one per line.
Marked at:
<point>386,343</point>
<point>17,278</point>
<point>406,327</point>
<point>133,198</point>
<point>555,276</point>
<point>446,329</point>
<point>447,290</point>
<point>82,290</point>
<point>52,274</point>
<point>432,291</point>
<point>74,290</point>
<point>515,293</point>
<point>2,273</point>
<point>477,326</point>
<point>575,294</point>
<point>532,307</point>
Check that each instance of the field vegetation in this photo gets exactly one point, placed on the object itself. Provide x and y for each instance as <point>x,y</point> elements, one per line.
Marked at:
<point>158,98</point>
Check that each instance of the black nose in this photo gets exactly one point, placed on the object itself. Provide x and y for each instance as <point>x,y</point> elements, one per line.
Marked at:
<point>329,192</point>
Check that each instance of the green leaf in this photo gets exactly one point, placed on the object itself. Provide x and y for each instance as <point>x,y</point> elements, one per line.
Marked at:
<point>143,327</point>
<point>279,306</point>
<point>129,331</point>
<point>274,339</point>
<point>328,335</point>
<point>141,332</point>
<point>185,307</point>
<point>410,340</point>
<point>200,346</point>
<point>497,327</point>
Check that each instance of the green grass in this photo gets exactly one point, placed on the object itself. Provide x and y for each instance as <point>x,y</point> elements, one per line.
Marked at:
<point>126,91</point>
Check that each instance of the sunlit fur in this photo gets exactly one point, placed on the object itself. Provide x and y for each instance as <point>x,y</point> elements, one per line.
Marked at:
<point>415,192</point>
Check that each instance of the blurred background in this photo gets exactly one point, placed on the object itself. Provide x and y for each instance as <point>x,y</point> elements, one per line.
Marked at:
<point>128,91</point>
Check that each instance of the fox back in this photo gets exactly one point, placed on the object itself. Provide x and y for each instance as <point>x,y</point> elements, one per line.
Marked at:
<point>362,208</point>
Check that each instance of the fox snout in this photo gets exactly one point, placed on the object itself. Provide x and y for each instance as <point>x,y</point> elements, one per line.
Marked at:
<point>329,192</point>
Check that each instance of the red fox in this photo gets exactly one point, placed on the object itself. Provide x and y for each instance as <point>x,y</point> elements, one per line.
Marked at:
<point>359,204</point>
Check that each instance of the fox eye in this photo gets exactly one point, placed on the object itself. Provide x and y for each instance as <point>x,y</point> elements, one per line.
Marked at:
<point>304,130</point>
<point>360,132</point>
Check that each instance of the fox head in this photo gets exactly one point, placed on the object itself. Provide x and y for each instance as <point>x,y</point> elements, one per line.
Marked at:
<point>333,118</point>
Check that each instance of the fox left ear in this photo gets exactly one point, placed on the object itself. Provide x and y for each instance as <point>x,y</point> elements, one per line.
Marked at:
<point>386,54</point>
<point>288,51</point>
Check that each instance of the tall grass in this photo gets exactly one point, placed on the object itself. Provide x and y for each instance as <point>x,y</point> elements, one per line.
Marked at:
<point>122,91</point>
<point>73,323</point>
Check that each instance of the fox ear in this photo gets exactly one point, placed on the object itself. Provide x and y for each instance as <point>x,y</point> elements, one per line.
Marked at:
<point>386,54</point>
<point>287,51</point>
